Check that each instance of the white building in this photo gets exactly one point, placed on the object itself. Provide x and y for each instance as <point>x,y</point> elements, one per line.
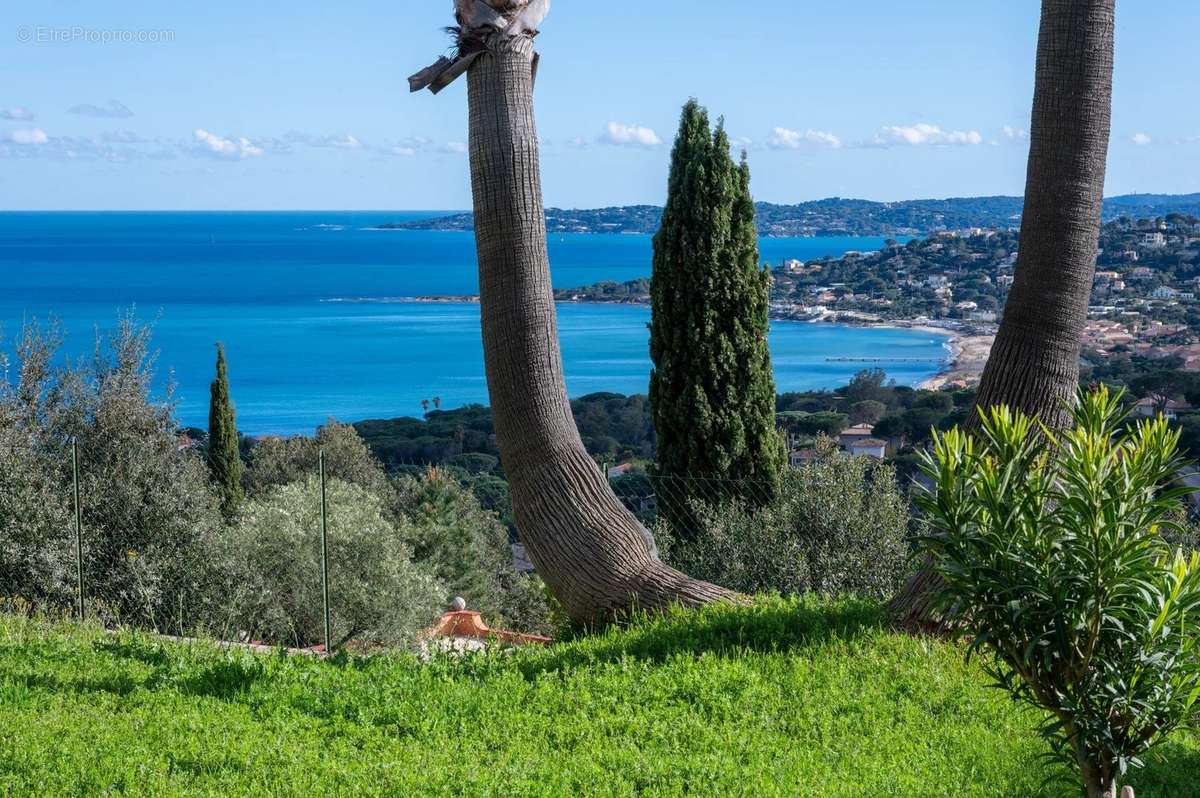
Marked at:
<point>870,447</point>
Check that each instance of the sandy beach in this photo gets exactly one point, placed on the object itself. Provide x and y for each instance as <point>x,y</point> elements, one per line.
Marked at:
<point>969,353</point>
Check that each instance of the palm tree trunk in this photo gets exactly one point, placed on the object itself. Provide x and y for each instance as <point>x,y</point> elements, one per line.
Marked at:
<point>1034,363</point>
<point>595,557</point>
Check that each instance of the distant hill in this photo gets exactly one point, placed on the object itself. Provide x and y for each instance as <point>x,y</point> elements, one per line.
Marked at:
<point>836,216</point>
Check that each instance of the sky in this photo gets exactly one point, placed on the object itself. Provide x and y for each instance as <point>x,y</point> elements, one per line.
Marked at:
<point>223,105</point>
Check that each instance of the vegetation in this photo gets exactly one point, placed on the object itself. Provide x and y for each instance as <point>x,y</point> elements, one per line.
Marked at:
<point>712,388</point>
<point>783,698</point>
<point>149,510</point>
<point>381,597</point>
<point>834,216</point>
<point>1053,566</point>
<point>838,526</point>
<point>159,554</point>
<point>224,451</point>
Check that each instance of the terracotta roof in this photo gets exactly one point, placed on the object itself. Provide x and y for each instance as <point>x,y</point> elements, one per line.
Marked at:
<point>869,443</point>
<point>465,623</point>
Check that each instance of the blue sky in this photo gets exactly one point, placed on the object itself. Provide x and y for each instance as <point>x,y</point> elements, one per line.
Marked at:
<point>273,105</point>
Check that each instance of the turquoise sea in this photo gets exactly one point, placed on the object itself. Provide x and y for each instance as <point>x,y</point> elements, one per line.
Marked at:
<point>310,307</point>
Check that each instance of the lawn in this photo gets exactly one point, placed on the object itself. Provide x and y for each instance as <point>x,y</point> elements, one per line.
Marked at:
<point>800,698</point>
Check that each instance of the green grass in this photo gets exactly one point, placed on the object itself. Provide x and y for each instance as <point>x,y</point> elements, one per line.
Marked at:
<point>798,698</point>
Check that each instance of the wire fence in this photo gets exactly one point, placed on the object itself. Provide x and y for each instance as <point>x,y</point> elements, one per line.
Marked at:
<point>330,552</point>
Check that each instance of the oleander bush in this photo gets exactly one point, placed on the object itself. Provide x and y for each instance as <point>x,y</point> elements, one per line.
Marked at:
<point>1056,571</point>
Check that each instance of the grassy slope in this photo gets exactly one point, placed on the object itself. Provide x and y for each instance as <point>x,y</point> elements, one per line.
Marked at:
<point>789,699</point>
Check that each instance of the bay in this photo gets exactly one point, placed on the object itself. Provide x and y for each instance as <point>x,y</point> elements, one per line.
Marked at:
<point>309,306</point>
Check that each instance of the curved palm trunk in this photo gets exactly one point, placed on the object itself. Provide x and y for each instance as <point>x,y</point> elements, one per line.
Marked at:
<point>596,558</point>
<point>1034,363</point>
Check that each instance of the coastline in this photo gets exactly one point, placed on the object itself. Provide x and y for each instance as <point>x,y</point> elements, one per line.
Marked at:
<point>968,345</point>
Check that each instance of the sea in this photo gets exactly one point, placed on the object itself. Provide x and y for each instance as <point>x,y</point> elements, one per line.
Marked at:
<point>314,309</point>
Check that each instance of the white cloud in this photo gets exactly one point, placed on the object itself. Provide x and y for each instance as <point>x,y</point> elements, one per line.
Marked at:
<point>1141,139</point>
<point>578,143</point>
<point>113,109</point>
<point>783,138</point>
<point>16,114</point>
<point>922,134</point>
<point>456,148</point>
<point>232,149</point>
<point>1014,133</point>
<point>741,143</point>
<point>123,137</point>
<point>630,135</point>
<point>29,136</point>
<point>342,142</point>
<point>404,152</point>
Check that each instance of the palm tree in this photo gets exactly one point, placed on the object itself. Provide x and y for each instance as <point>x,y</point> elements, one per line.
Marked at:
<point>1034,363</point>
<point>594,555</point>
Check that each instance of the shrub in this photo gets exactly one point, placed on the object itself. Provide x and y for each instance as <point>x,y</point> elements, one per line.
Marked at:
<point>282,461</point>
<point>1054,565</point>
<point>378,595</point>
<point>150,517</point>
<point>838,526</point>
<point>467,548</point>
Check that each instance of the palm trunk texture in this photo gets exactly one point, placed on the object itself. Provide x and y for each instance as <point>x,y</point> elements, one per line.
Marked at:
<point>1034,362</point>
<point>595,557</point>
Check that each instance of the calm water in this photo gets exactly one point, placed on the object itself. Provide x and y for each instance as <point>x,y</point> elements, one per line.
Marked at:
<point>264,284</point>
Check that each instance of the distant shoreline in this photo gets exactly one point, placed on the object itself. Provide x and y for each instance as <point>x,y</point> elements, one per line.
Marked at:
<point>967,345</point>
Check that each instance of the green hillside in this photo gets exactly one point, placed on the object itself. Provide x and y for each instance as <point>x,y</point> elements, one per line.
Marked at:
<point>797,698</point>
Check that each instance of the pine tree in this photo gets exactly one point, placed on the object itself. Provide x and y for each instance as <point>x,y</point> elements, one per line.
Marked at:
<point>224,455</point>
<point>712,391</point>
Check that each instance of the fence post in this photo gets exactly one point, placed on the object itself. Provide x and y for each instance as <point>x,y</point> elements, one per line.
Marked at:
<point>325,556</point>
<point>78,525</point>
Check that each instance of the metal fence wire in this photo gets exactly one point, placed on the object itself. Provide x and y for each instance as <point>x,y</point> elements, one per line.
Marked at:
<point>324,559</point>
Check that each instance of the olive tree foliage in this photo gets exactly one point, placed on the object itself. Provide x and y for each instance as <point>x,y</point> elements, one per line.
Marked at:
<point>839,525</point>
<point>449,532</point>
<point>1055,567</point>
<point>281,461</point>
<point>379,595</point>
<point>150,518</point>
<point>34,512</point>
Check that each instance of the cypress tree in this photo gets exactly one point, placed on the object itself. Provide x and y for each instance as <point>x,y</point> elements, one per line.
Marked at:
<point>224,455</point>
<point>712,391</point>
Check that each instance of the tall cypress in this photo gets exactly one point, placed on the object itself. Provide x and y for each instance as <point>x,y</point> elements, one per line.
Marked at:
<point>712,391</point>
<point>224,455</point>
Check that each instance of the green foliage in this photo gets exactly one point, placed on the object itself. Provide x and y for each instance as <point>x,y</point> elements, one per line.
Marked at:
<point>379,596</point>
<point>712,390</point>
<point>224,453</point>
<point>837,526</point>
<point>467,549</point>
<point>868,411</point>
<point>150,518</point>
<point>1055,567</point>
<point>281,461</point>
<point>823,422</point>
<point>796,698</point>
